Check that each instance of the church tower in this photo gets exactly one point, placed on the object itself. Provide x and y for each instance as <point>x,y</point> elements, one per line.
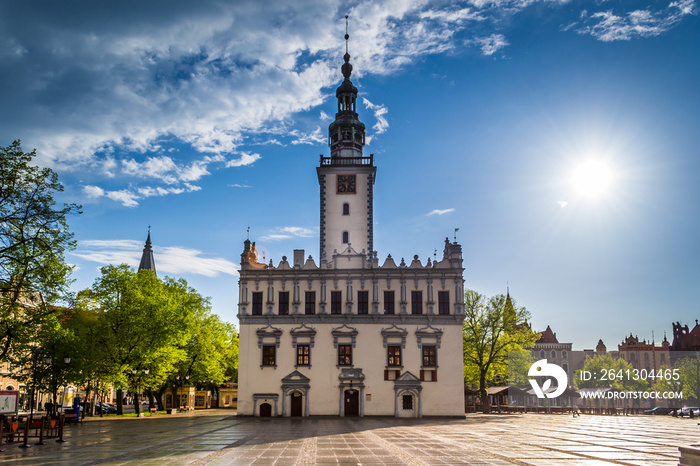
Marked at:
<point>346,179</point>
<point>147,260</point>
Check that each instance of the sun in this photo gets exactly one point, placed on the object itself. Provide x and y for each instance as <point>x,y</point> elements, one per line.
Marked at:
<point>592,178</point>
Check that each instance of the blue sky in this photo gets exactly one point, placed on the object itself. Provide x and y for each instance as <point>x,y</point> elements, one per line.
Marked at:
<point>205,119</point>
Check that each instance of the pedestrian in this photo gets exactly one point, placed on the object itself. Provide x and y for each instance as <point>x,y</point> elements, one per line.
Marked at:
<point>39,405</point>
<point>76,406</point>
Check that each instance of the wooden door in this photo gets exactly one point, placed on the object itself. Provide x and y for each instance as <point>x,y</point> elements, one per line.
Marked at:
<point>352,403</point>
<point>296,405</point>
<point>265,410</point>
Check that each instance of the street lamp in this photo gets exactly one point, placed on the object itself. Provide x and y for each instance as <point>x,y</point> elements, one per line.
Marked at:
<point>179,393</point>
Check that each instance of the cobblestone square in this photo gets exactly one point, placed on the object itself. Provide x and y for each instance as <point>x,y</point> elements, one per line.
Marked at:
<point>215,437</point>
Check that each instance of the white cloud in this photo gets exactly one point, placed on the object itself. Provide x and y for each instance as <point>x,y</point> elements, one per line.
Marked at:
<point>243,160</point>
<point>299,231</point>
<point>236,185</point>
<point>275,237</point>
<point>208,74</point>
<point>379,111</point>
<point>325,117</point>
<point>282,233</point>
<point>609,26</point>
<point>315,137</point>
<point>127,198</point>
<point>440,212</point>
<point>93,191</point>
<point>562,204</point>
<point>169,259</point>
<point>491,44</point>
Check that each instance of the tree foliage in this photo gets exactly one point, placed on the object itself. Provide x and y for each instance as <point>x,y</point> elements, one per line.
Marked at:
<point>492,328</point>
<point>133,322</point>
<point>689,369</point>
<point>34,236</point>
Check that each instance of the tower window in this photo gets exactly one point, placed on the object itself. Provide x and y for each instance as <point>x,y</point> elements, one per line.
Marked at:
<point>346,209</point>
<point>346,237</point>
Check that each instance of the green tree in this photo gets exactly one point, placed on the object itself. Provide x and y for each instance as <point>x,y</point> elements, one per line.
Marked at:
<point>492,328</point>
<point>43,366</point>
<point>34,236</point>
<point>689,369</point>
<point>146,324</point>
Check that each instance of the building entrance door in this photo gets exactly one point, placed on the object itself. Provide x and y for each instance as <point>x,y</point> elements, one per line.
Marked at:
<point>352,403</point>
<point>265,410</point>
<point>295,405</point>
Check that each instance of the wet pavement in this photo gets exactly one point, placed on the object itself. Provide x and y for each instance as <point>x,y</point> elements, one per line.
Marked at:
<point>216,437</point>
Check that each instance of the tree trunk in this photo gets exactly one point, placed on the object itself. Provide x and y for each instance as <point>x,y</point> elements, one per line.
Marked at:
<point>151,400</point>
<point>159,397</point>
<point>483,394</point>
<point>120,402</point>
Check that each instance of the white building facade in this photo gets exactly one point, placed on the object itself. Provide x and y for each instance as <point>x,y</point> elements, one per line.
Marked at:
<point>346,336</point>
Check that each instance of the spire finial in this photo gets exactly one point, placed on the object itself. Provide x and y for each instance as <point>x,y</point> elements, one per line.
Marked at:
<point>347,67</point>
<point>347,36</point>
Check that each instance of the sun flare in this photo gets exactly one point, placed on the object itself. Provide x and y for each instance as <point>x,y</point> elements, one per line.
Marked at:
<point>592,178</point>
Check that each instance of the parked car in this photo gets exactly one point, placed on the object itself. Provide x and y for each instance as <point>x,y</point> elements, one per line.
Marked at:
<point>104,408</point>
<point>689,411</point>
<point>659,410</point>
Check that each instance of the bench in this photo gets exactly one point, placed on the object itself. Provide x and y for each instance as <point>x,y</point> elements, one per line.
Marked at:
<point>153,411</point>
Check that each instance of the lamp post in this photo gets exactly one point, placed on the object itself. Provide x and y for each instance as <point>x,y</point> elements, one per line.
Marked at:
<point>179,393</point>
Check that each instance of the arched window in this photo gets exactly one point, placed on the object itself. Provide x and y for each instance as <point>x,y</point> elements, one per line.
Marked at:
<point>346,209</point>
<point>542,354</point>
<point>563,354</point>
<point>554,354</point>
<point>565,366</point>
<point>346,237</point>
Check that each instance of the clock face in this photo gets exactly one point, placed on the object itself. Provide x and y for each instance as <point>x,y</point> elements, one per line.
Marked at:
<point>346,184</point>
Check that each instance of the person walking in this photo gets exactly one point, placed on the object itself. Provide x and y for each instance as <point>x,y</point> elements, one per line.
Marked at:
<point>76,407</point>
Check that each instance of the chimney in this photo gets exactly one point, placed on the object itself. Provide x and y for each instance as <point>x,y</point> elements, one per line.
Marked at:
<point>298,257</point>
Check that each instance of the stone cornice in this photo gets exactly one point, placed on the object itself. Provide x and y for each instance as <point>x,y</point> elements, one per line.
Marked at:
<point>354,319</point>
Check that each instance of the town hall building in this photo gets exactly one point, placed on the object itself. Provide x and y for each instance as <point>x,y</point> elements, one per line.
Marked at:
<point>343,335</point>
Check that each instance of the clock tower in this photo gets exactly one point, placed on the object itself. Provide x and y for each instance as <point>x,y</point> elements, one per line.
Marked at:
<point>346,180</point>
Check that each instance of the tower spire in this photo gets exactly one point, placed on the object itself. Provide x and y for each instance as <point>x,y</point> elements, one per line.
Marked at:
<point>346,135</point>
<point>147,260</point>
